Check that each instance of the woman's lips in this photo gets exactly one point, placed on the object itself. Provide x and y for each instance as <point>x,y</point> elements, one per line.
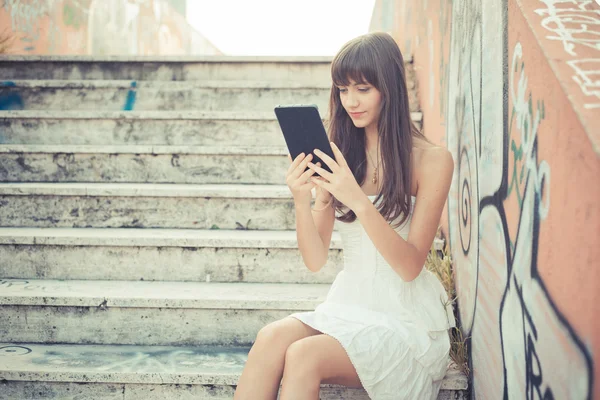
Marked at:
<point>356,114</point>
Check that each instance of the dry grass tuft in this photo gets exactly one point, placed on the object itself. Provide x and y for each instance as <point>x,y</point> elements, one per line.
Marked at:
<point>440,263</point>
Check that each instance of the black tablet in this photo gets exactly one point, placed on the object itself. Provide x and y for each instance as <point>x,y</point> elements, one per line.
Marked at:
<point>303,131</point>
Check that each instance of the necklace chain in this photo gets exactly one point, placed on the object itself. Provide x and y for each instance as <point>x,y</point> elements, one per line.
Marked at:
<point>374,180</point>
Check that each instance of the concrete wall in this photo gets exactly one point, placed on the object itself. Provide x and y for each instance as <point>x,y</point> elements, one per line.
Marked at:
<point>512,88</point>
<point>99,27</point>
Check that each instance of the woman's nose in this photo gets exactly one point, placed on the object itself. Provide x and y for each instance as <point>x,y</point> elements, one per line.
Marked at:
<point>351,100</point>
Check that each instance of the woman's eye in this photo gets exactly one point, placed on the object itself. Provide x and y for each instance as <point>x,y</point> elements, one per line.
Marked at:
<point>342,90</point>
<point>363,89</point>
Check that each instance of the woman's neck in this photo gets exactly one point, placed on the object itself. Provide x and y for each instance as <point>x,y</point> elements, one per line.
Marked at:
<point>371,137</point>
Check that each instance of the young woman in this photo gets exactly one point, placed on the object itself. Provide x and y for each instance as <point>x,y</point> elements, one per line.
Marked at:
<point>384,324</point>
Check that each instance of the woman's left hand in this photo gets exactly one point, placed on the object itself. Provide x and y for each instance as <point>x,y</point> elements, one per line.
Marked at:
<point>341,183</point>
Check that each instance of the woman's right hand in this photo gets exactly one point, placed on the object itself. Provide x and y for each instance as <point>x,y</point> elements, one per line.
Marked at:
<point>298,180</point>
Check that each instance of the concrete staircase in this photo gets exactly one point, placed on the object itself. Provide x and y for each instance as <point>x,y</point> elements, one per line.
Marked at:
<point>146,231</point>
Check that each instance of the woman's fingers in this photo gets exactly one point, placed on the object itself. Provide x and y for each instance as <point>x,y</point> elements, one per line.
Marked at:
<point>339,157</point>
<point>322,172</point>
<point>304,177</point>
<point>302,166</point>
<point>307,186</point>
<point>301,174</point>
<point>297,163</point>
<point>292,164</point>
<point>326,159</point>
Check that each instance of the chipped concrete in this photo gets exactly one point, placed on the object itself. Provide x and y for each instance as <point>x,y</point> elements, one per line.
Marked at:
<point>143,326</point>
<point>232,191</point>
<point>133,127</point>
<point>67,166</point>
<point>223,129</point>
<point>158,95</point>
<point>136,369</point>
<point>160,254</point>
<point>308,70</point>
<point>218,238</point>
<point>168,95</point>
<point>81,211</point>
<point>147,313</point>
<point>163,263</point>
<point>186,295</point>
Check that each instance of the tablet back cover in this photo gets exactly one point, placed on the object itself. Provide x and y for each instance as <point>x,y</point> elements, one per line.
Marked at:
<point>303,131</point>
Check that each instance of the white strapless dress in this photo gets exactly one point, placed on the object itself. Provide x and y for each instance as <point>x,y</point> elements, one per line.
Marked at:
<point>395,332</point>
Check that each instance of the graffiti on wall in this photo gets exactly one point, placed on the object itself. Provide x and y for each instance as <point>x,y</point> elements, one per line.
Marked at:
<point>519,338</point>
<point>24,17</point>
<point>444,30</point>
<point>101,27</point>
<point>537,339</point>
<point>143,27</point>
<point>576,24</point>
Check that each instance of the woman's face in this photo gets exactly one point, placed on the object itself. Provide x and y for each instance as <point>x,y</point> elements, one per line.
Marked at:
<point>362,103</point>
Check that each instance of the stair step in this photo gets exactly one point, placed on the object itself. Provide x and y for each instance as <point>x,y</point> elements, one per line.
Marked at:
<point>166,294</point>
<point>308,70</point>
<point>116,95</point>
<point>146,205</point>
<point>147,313</point>
<point>175,128</point>
<point>148,372</point>
<point>143,164</point>
<point>161,254</point>
<point>163,84</point>
<point>140,205</point>
<point>155,237</point>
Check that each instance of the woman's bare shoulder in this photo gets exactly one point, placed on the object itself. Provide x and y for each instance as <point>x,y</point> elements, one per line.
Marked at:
<point>434,165</point>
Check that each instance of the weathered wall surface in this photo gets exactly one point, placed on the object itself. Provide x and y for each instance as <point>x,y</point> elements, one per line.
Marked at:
<point>511,88</point>
<point>99,27</point>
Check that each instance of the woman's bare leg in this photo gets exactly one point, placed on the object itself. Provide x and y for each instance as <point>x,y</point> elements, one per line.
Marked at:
<point>263,371</point>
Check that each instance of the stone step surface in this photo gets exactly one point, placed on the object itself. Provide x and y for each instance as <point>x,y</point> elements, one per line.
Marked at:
<point>172,128</point>
<point>157,95</point>
<point>34,371</point>
<point>129,205</point>
<point>129,232</point>
<point>143,164</point>
<point>161,254</point>
<point>147,313</point>
<point>309,70</point>
<point>140,205</point>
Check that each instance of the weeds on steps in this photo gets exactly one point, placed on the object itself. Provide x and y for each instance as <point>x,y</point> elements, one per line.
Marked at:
<point>440,263</point>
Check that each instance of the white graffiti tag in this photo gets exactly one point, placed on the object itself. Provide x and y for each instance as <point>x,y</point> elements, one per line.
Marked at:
<point>587,76</point>
<point>531,323</point>
<point>576,23</point>
<point>573,26</point>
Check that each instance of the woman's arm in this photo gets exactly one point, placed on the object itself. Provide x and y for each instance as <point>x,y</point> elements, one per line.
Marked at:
<point>434,176</point>
<point>313,231</point>
<point>407,257</point>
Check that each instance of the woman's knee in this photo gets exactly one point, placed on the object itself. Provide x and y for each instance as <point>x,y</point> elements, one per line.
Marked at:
<point>283,333</point>
<point>300,360</point>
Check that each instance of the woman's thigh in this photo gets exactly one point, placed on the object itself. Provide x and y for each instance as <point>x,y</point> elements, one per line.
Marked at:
<point>325,356</point>
<point>284,332</point>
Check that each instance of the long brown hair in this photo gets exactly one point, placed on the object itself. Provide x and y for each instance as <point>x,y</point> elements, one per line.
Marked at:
<point>375,59</point>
